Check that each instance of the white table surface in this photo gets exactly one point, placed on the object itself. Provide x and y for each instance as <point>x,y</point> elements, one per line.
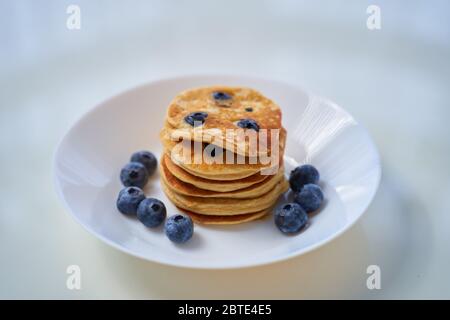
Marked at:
<point>394,80</point>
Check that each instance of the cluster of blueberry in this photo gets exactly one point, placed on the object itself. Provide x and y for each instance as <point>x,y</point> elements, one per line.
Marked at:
<point>308,197</point>
<point>290,218</point>
<point>150,211</point>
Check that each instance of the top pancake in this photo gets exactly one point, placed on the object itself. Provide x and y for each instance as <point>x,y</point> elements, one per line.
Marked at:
<point>245,103</point>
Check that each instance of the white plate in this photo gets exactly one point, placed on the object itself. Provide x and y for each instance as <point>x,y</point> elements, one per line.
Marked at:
<point>90,156</point>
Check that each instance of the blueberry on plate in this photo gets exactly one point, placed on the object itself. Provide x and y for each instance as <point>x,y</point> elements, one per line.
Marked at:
<point>179,228</point>
<point>134,174</point>
<point>196,118</point>
<point>146,158</point>
<point>151,212</point>
<point>129,199</point>
<point>303,175</point>
<point>310,197</point>
<point>290,218</point>
<point>219,95</point>
<point>248,124</point>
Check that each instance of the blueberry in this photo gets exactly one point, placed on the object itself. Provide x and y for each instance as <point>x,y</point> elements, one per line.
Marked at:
<point>303,175</point>
<point>151,212</point>
<point>179,228</point>
<point>196,118</point>
<point>221,96</point>
<point>310,197</point>
<point>129,199</point>
<point>291,218</point>
<point>146,158</point>
<point>134,174</point>
<point>248,124</point>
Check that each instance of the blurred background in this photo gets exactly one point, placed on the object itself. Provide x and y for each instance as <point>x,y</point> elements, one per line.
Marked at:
<point>394,80</point>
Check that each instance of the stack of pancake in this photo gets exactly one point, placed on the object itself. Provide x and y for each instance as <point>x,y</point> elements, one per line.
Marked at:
<point>219,169</point>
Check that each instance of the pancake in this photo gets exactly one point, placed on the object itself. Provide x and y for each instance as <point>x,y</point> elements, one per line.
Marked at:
<point>213,185</point>
<point>223,114</point>
<point>253,191</point>
<point>225,206</point>
<point>223,154</point>
<point>226,220</point>
<point>185,155</point>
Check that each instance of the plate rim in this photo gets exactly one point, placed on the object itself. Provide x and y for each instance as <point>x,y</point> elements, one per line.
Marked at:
<point>189,265</point>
